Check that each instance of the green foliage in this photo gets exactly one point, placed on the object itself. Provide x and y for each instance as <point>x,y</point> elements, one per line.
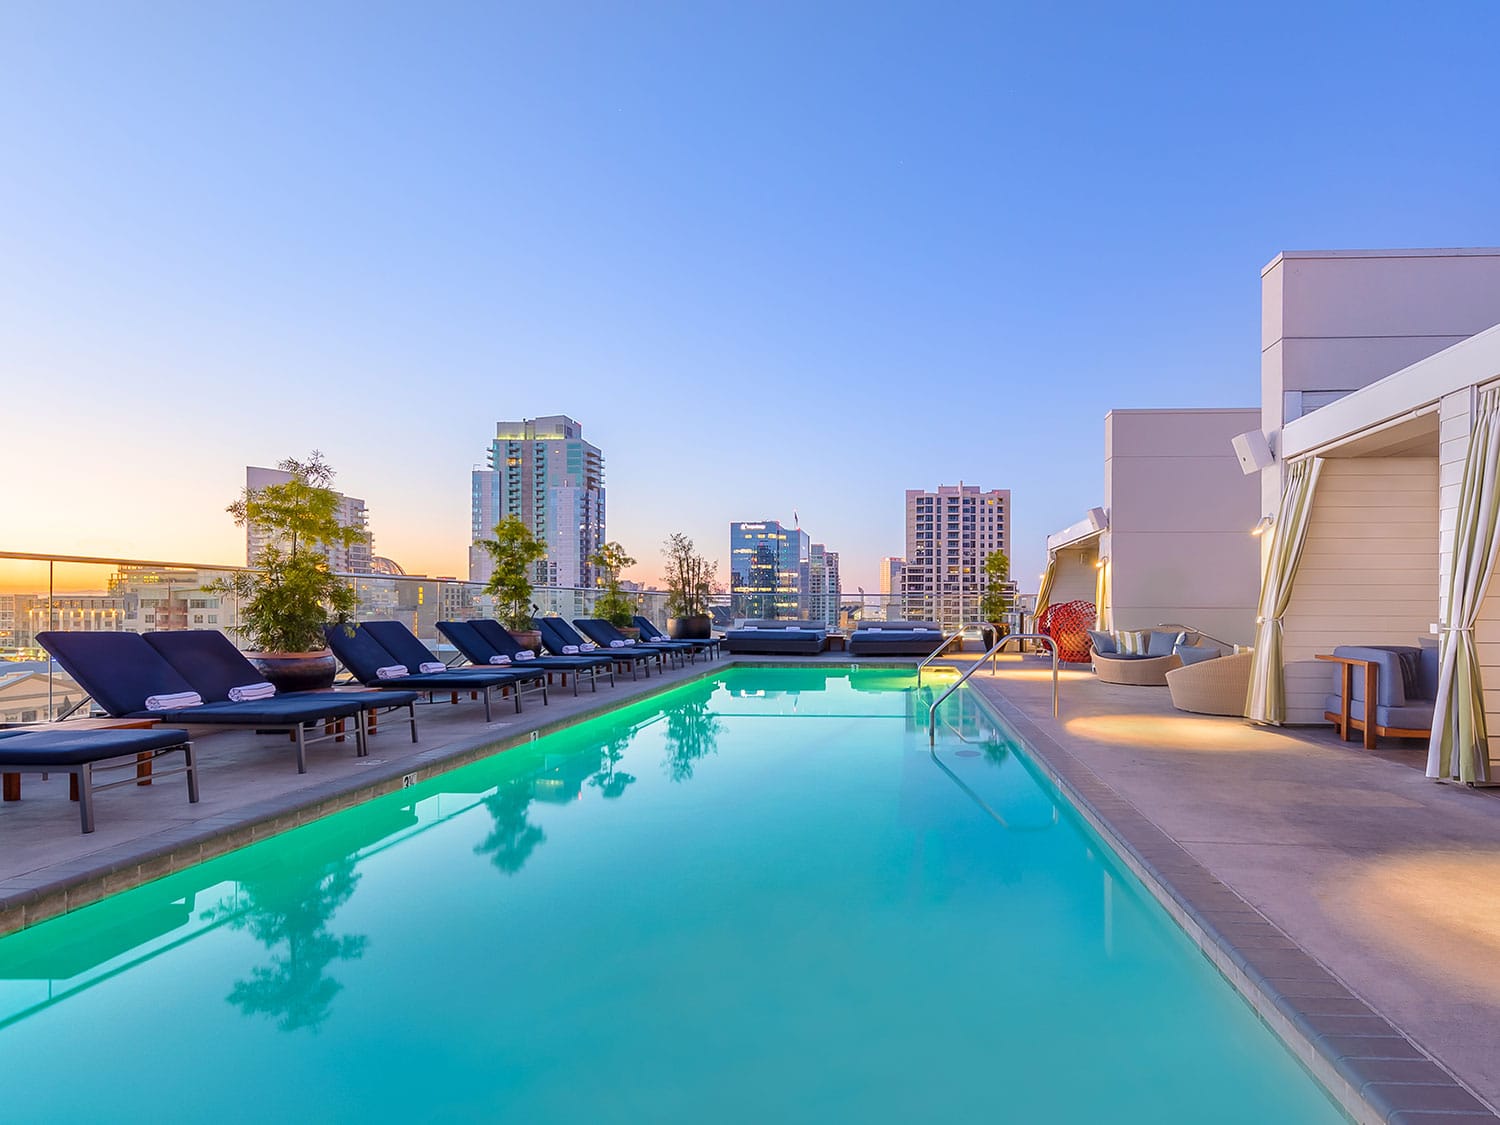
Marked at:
<point>515,552</point>
<point>995,605</point>
<point>690,577</point>
<point>614,605</point>
<point>291,595</point>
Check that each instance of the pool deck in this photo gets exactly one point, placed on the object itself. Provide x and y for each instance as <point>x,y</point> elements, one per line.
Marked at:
<point>1357,900</point>
<point>1352,899</point>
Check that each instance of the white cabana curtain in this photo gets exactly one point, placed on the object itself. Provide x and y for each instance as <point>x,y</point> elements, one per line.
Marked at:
<point>1266,700</point>
<point>1044,591</point>
<point>1459,747</point>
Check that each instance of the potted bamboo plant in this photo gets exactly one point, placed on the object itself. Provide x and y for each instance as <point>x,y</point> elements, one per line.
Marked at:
<point>291,593</point>
<point>690,579</point>
<point>515,552</point>
<point>994,605</point>
<point>614,605</point>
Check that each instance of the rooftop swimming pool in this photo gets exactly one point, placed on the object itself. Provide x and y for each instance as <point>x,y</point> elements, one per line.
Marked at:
<point>755,897</point>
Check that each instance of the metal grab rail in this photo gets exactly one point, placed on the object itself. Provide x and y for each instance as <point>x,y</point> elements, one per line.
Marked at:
<point>935,653</point>
<point>978,664</point>
<point>1181,628</point>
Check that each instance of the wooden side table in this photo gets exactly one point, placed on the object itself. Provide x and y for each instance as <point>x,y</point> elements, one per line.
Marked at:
<point>10,783</point>
<point>836,642</point>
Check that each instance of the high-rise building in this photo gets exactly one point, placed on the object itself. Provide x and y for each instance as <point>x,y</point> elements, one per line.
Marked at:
<point>543,472</point>
<point>948,535</point>
<point>769,569</point>
<point>354,559</point>
<point>825,593</point>
<point>892,588</point>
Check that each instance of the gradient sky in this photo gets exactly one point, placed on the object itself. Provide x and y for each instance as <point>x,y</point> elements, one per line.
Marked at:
<point>772,256</point>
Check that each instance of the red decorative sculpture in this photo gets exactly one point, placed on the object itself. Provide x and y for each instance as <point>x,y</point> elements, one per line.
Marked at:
<point>1068,625</point>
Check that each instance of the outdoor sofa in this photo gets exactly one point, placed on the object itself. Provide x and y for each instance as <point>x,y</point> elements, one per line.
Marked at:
<point>121,671</point>
<point>1145,659</point>
<point>364,656</point>
<point>80,752</point>
<point>1403,680</point>
<point>778,638</point>
<point>482,641</point>
<point>895,638</point>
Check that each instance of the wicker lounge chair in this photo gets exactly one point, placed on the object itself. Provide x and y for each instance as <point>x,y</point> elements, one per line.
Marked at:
<point>1212,687</point>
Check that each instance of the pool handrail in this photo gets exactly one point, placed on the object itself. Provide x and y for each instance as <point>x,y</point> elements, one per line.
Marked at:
<point>935,653</point>
<point>978,664</point>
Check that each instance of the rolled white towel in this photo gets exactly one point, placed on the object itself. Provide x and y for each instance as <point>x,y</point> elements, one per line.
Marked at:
<point>570,650</point>
<point>525,654</point>
<point>616,644</point>
<point>391,672</point>
<point>431,666</point>
<point>500,658</point>
<point>629,641</point>
<point>247,693</point>
<point>173,700</point>
<point>588,646</point>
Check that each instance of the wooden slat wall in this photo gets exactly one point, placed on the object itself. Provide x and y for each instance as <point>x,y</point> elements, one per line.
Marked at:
<point>1076,575</point>
<point>1369,572</point>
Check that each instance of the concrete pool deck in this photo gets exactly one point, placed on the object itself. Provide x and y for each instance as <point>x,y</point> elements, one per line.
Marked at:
<point>1268,843</point>
<point>1385,878</point>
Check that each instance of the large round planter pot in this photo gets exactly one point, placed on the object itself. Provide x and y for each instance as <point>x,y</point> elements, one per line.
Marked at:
<point>695,627</point>
<point>296,671</point>
<point>528,638</point>
<point>629,632</point>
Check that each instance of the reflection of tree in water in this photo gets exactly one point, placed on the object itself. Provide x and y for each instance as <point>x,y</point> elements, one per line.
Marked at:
<point>692,734</point>
<point>293,911</point>
<point>513,837</point>
<point>611,782</point>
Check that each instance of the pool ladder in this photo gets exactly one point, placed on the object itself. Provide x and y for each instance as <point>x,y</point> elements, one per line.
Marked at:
<point>978,664</point>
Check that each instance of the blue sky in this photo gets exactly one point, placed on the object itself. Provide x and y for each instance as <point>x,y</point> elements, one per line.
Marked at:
<point>773,257</point>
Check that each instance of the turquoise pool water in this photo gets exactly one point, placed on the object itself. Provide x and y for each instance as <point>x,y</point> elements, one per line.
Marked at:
<point>755,898</point>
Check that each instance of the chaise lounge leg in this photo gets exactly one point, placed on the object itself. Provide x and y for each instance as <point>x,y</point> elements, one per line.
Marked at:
<point>85,775</point>
<point>191,758</point>
<point>301,749</point>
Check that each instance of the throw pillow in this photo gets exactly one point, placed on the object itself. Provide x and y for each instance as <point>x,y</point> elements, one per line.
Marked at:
<point>1162,644</point>
<point>1130,642</point>
<point>1196,654</point>
<point>1104,643</point>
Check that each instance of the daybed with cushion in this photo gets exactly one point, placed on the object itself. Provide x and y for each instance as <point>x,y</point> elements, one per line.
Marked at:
<point>122,671</point>
<point>1216,686</point>
<point>1404,682</point>
<point>80,752</point>
<point>1142,660</point>
<point>777,638</point>
<point>895,638</point>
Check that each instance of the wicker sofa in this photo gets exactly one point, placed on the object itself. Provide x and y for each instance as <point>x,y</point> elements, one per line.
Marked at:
<point>1212,687</point>
<point>1147,669</point>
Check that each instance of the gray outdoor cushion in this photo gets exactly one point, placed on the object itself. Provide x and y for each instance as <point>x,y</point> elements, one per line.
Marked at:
<point>1160,643</point>
<point>1104,643</point>
<point>1196,654</point>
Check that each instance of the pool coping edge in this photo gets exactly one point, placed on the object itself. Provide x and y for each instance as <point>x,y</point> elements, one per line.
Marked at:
<point>1363,1059</point>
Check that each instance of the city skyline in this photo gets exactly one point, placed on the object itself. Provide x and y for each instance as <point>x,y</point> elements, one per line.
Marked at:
<point>793,262</point>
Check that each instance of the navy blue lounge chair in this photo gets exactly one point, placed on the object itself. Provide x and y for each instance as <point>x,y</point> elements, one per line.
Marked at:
<point>208,660</point>
<point>403,644</point>
<point>604,634</point>
<point>709,646</point>
<point>478,646</point>
<point>120,671</point>
<point>364,656</point>
<point>81,752</point>
<point>557,634</point>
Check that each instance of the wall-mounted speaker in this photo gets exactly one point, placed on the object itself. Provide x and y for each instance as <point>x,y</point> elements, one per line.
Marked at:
<point>1253,451</point>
